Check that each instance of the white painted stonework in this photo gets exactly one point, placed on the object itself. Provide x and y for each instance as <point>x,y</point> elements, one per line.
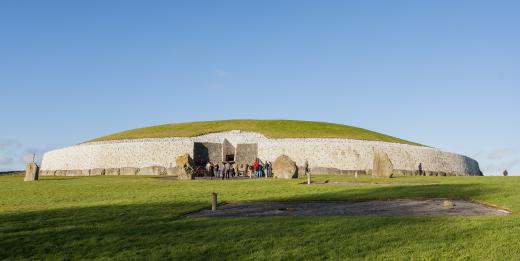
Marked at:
<point>342,154</point>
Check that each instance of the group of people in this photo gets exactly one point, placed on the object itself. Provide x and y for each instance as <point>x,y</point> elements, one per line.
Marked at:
<point>228,170</point>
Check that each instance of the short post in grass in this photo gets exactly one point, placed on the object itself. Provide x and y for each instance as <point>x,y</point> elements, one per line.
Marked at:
<point>308,178</point>
<point>213,201</point>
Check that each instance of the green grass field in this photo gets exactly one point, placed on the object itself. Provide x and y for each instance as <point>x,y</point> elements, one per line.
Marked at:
<point>121,218</point>
<point>270,128</point>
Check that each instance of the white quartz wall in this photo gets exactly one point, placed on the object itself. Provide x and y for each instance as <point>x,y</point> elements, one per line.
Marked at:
<point>343,154</point>
<point>138,154</point>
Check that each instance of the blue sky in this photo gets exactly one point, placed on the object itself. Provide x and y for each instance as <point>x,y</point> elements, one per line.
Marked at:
<point>441,73</point>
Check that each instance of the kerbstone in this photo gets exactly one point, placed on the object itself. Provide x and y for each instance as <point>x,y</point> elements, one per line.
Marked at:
<point>128,171</point>
<point>152,170</point>
<point>97,172</point>
<point>112,172</point>
<point>285,168</point>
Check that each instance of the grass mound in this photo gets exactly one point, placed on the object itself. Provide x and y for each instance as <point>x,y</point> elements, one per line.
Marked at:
<point>269,128</point>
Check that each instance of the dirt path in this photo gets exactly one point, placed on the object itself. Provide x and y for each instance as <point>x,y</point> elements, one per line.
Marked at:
<point>400,207</point>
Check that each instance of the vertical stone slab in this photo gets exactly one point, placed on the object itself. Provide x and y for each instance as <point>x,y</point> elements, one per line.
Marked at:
<point>382,166</point>
<point>31,172</point>
<point>246,153</point>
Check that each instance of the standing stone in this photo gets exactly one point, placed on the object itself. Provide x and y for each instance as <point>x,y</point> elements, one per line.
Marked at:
<point>184,165</point>
<point>382,166</point>
<point>31,172</point>
<point>284,168</point>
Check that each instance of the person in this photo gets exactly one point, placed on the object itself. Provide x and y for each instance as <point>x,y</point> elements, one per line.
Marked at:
<point>251,170</point>
<point>237,171</point>
<point>260,170</point>
<point>216,170</point>
<point>306,167</point>
<point>269,169</point>
<point>211,168</point>
<point>223,171</point>
<point>505,173</point>
<point>228,170</point>
<point>266,169</point>
<point>208,167</point>
<point>232,172</point>
<point>420,169</point>
<point>256,167</point>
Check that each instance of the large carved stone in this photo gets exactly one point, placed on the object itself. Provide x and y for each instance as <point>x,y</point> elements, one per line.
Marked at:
<point>184,164</point>
<point>31,172</point>
<point>285,168</point>
<point>152,170</point>
<point>382,166</point>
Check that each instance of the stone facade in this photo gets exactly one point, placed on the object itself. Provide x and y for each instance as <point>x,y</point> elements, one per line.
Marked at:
<point>336,155</point>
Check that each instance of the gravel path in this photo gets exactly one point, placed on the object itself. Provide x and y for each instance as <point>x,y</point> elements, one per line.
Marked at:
<point>400,207</point>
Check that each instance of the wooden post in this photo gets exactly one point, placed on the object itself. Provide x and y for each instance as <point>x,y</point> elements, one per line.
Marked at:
<point>213,201</point>
<point>308,178</point>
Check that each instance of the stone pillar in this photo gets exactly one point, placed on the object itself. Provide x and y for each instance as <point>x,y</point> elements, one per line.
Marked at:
<point>31,172</point>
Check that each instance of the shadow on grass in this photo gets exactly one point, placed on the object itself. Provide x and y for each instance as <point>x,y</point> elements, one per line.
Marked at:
<point>158,231</point>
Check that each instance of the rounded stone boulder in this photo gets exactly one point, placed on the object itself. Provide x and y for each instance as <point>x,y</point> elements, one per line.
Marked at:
<point>285,168</point>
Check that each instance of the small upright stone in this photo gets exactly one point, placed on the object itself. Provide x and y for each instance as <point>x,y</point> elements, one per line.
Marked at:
<point>31,172</point>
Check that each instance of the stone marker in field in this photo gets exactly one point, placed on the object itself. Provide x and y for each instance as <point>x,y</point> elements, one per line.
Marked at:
<point>285,168</point>
<point>31,172</point>
<point>382,166</point>
<point>184,164</point>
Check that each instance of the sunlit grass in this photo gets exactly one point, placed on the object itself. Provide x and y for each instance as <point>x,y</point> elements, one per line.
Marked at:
<point>142,218</point>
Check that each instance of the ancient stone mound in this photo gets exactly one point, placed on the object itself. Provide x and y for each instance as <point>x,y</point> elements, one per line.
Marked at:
<point>285,168</point>
<point>382,166</point>
<point>399,207</point>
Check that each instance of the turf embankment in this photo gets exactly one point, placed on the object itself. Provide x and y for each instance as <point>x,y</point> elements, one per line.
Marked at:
<point>269,128</point>
<point>121,218</point>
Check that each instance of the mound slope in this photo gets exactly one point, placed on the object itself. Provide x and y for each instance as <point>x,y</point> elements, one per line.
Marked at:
<point>269,128</point>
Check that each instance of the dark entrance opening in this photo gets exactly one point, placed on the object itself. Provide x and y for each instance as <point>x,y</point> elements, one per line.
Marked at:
<point>230,157</point>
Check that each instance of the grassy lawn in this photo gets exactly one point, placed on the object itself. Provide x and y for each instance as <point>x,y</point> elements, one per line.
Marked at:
<point>142,218</point>
<point>269,128</point>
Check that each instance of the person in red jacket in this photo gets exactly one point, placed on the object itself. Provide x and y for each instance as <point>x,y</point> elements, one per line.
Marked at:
<point>256,167</point>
